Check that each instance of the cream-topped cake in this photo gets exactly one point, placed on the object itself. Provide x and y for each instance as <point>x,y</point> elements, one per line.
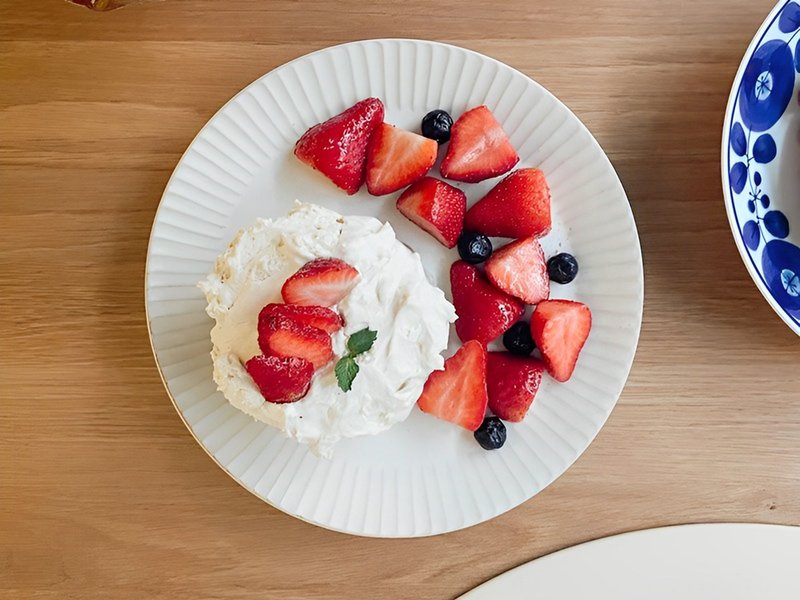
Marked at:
<point>392,297</point>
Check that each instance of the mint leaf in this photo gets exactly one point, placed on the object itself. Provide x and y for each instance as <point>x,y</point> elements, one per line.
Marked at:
<point>361,341</point>
<point>346,370</point>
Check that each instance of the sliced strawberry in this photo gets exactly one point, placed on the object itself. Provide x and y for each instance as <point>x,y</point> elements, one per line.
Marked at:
<point>479,148</point>
<point>396,158</point>
<point>484,312</point>
<point>280,380</point>
<point>520,269</point>
<point>279,336</point>
<point>315,316</point>
<point>437,207</point>
<point>518,206</point>
<point>560,329</point>
<point>337,148</point>
<point>512,382</point>
<point>320,282</point>
<point>458,394</point>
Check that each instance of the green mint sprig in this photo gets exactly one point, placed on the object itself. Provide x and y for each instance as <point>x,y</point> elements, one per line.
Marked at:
<point>346,368</point>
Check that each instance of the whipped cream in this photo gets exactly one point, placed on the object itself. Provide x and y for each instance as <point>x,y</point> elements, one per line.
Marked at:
<point>393,297</point>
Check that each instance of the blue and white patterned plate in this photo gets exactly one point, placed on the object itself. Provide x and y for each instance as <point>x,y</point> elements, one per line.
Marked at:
<point>761,160</point>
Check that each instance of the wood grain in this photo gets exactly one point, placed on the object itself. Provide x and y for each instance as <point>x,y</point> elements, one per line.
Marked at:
<point>104,494</point>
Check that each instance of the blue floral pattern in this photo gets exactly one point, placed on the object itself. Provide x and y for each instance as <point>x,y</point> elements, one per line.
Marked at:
<point>766,90</point>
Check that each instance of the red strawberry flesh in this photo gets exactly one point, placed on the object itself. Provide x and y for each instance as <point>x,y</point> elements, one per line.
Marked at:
<point>479,148</point>
<point>520,269</point>
<point>396,158</point>
<point>517,207</point>
<point>560,329</point>
<point>320,282</point>
<point>280,380</point>
<point>458,393</point>
<point>337,148</point>
<point>279,336</point>
<point>315,316</point>
<point>437,207</point>
<point>484,312</point>
<point>512,382</point>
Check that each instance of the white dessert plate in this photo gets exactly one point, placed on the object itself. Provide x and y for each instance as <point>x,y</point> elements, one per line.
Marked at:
<point>424,476</point>
<point>730,561</point>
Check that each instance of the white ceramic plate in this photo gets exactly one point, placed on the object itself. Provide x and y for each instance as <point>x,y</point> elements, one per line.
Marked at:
<point>424,476</point>
<point>730,561</point>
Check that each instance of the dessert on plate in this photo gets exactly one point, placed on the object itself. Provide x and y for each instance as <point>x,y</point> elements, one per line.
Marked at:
<point>278,338</point>
<point>326,326</point>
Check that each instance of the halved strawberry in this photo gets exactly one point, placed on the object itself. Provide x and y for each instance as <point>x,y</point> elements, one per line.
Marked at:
<point>518,206</point>
<point>315,316</point>
<point>279,336</point>
<point>396,158</point>
<point>320,282</point>
<point>484,312</point>
<point>512,382</point>
<point>437,207</point>
<point>560,329</point>
<point>458,394</point>
<point>337,148</point>
<point>479,148</point>
<point>520,269</point>
<point>280,380</point>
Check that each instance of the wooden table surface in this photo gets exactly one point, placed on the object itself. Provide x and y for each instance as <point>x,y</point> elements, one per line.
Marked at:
<point>103,492</point>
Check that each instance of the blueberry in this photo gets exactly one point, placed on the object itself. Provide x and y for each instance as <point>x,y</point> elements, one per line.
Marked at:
<point>562,268</point>
<point>518,340</point>
<point>436,125</point>
<point>474,247</point>
<point>491,435</point>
